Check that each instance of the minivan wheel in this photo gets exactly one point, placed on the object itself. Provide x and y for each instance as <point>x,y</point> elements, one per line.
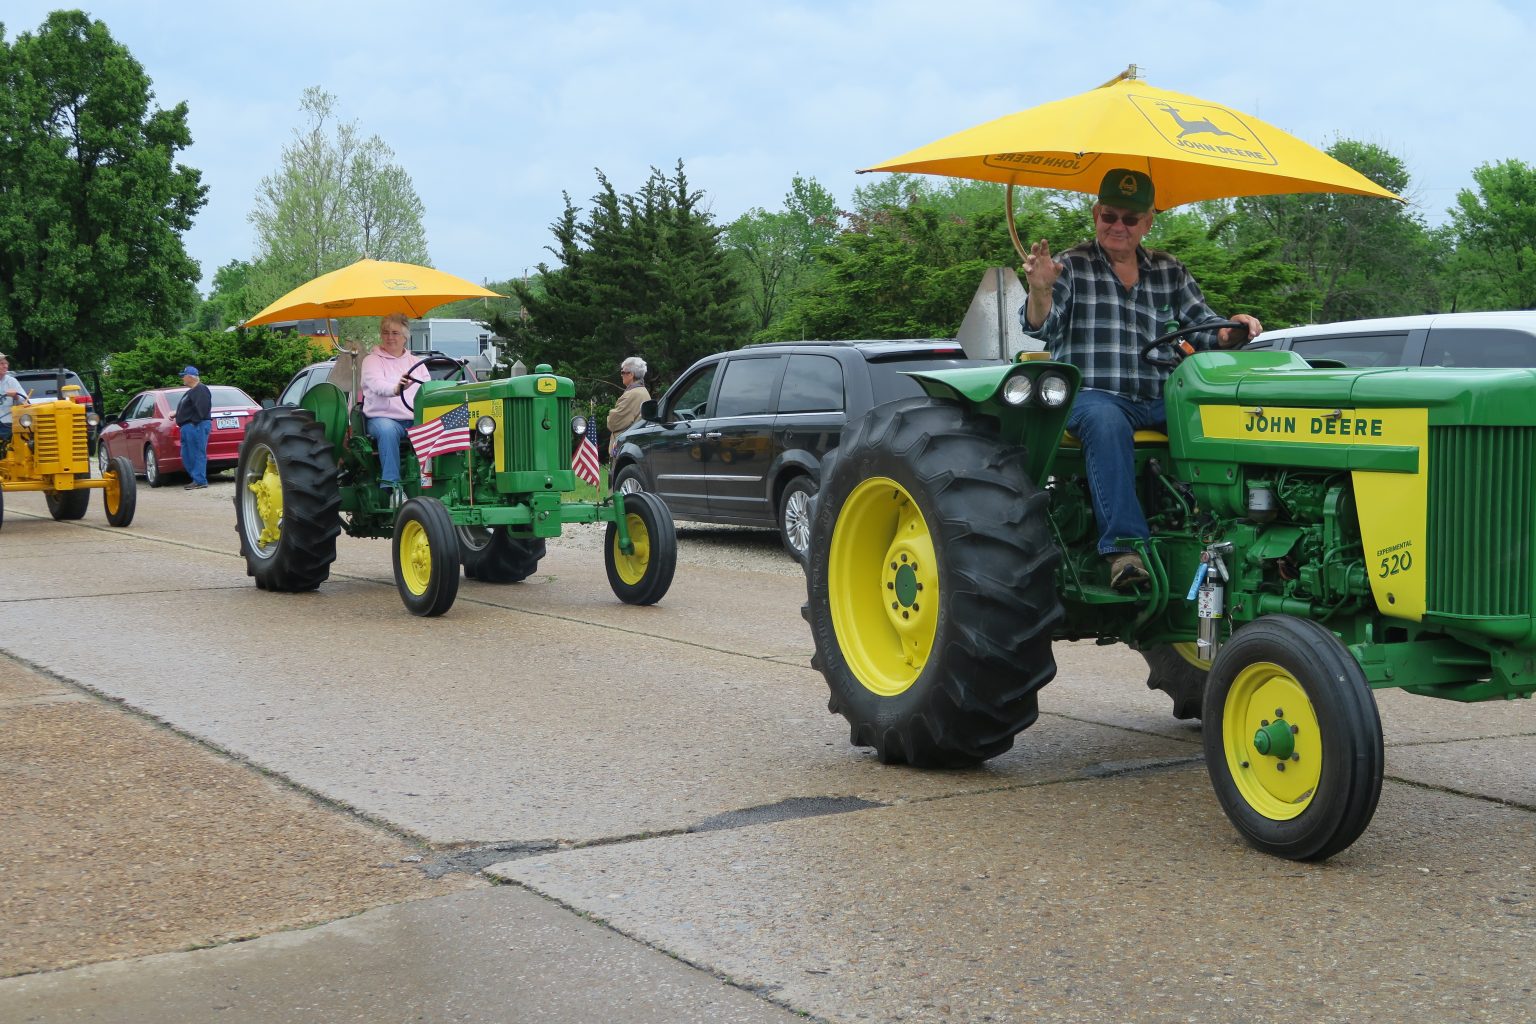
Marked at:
<point>795,517</point>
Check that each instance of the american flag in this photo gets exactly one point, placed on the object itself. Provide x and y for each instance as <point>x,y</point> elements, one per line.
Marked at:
<point>585,460</point>
<point>448,433</point>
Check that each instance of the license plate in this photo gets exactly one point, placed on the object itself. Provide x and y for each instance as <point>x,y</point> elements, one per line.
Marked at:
<point>226,422</point>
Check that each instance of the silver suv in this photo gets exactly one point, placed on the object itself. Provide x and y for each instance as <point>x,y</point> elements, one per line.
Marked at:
<point>1503,339</point>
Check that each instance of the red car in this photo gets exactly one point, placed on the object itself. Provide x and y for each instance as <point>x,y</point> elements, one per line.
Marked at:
<point>146,432</point>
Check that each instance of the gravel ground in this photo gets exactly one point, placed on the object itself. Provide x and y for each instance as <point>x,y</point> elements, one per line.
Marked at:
<point>122,838</point>
<point>732,547</point>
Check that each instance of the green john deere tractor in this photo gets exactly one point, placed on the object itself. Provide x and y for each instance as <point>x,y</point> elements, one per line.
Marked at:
<point>1317,533</point>
<point>306,473</point>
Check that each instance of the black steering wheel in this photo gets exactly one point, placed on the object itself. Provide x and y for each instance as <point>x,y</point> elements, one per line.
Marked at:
<point>1178,348</point>
<point>463,374</point>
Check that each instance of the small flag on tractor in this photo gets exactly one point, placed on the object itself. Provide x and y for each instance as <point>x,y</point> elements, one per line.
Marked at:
<point>448,433</point>
<point>585,461</point>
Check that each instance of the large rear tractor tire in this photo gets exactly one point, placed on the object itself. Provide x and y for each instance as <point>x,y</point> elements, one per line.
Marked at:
<point>1178,671</point>
<point>644,576</point>
<point>120,498</point>
<point>1293,742</point>
<point>931,585</point>
<point>65,505</point>
<point>287,505</point>
<point>426,549</point>
<point>490,555</point>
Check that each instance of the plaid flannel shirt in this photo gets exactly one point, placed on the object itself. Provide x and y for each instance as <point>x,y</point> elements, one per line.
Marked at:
<point>1099,326</point>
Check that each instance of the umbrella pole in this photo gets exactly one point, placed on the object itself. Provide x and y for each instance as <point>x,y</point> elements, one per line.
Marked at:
<point>1013,230</point>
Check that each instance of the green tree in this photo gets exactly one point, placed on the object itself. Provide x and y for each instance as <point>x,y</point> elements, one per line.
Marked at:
<point>643,274</point>
<point>258,361</point>
<point>774,253</point>
<point>230,300</point>
<point>913,254</point>
<point>93,204</point>
<point>1235,276</point>
<point>1357,256</point>
<point>1494,230</point>
<point>911,274</point>
<point>336,198</point>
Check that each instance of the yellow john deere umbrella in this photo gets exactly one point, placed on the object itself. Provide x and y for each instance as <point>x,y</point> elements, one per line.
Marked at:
<point>1192,149</point>
<point>371,288</point>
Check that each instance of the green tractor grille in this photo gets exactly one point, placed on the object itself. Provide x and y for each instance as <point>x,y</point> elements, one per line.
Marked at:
<point>1482,510</point>
<point>526,433</point>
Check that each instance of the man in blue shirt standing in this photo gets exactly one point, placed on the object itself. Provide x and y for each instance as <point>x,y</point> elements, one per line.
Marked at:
<point>194,415</point>
<point>1096,308</point>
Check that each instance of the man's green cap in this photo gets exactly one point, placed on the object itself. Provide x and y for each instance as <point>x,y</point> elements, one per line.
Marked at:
<point>1127,189</point>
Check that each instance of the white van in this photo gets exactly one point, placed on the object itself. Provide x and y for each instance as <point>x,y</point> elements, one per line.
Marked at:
<point>1502,339</point>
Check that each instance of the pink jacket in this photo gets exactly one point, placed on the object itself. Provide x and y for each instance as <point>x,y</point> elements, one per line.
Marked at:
<point>381,375</point>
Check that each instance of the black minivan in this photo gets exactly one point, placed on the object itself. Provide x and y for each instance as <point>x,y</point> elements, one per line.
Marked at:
<point>739,438</point>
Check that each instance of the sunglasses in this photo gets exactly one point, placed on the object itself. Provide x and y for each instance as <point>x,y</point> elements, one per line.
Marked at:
<point>1115,217</point>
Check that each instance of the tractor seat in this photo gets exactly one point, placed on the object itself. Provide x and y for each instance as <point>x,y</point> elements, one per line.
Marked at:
<point>1140,438</point>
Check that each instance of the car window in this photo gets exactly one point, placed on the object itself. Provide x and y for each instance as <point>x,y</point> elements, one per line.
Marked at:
<point>1479,347</point>
<point>296,388</point>
<point>747,387</point>
<point>139,407</point>
<point>692,397</point>
<point>1355,349</point>
<point>812,384</point>
<point>44,384</point>
<point>226,397</point>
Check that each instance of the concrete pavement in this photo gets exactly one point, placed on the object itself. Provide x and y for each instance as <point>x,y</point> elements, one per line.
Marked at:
<point>1086,875</point>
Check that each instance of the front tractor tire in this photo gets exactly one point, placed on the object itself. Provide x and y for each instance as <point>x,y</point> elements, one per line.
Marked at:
<point>491,555</point>
<point>644,575</point>
<point>1293,742</point>
<point>67,505</point>
<point>120,497</point>
<point>287,504</point>
<point>930,582</point>
<point>426,548</point>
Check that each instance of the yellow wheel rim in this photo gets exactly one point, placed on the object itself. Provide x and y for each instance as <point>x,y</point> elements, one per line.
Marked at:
<point>631,568</point>
<point>883,586</point>
<point>1273,744</point>
<point>415,557</point>
<point>112,494</point>
<point>1191,653</point>
<point>264,498</point>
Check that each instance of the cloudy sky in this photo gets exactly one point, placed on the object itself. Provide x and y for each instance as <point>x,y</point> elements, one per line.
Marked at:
<point>496,108</point>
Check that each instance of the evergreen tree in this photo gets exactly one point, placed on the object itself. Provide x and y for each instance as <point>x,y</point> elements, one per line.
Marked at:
<point>643,274</point>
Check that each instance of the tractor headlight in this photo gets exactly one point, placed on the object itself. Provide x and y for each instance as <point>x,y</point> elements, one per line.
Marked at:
<point>91,419</point>
<point>485,426</point>
<point>578,424</point>
<point>1017,389</point>
<point>1054,389</point>
<point>24,421</point>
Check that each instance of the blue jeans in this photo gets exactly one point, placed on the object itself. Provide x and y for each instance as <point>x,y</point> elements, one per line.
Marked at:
<point>387,434</point>
<point>194,450</point>
<point>1106,423</point>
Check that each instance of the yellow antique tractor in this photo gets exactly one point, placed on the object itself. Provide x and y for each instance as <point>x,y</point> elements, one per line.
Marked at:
<point>49,451</point>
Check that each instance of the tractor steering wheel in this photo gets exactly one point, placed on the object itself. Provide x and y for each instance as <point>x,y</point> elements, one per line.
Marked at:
<point>458,366</point>
<point>1178,348</point>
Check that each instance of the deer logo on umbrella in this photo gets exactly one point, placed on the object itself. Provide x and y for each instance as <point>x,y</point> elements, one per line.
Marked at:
<point>1203,126</point>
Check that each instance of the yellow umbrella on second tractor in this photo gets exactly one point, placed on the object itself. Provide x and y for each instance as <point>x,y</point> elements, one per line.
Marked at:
<point>1191,148</point>
<point>371,288</point>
